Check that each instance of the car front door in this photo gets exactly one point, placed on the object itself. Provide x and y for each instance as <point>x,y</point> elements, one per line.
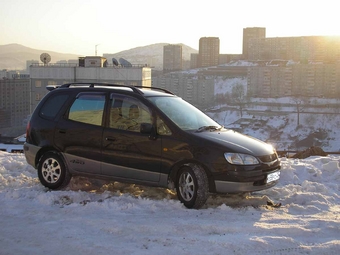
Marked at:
<point>127,153</point>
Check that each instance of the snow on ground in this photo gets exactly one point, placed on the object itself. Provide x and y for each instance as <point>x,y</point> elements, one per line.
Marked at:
<point>284,127</point>
<point>279,120</point>
<point>91,217</point>
<point>223,86</point>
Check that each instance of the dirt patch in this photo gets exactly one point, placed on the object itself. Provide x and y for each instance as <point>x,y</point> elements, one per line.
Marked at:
<point>312,151</point>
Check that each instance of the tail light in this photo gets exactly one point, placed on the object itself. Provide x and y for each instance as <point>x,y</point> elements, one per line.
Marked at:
<point>28,127</point>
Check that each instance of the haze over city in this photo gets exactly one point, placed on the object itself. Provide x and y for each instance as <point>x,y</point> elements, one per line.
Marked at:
<point>80,27</point>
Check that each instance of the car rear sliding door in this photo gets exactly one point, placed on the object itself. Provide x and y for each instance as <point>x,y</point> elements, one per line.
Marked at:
<point>78,134</point>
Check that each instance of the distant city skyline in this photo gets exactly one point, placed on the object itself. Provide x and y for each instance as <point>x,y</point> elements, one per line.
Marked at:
<point>103,26</point>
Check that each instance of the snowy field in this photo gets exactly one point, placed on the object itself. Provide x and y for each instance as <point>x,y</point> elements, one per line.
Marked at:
<point>92,218</point>
<point>284,127</point>
<point>282,124</point>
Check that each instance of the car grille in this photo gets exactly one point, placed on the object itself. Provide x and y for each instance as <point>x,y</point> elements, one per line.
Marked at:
<point>268,158</point>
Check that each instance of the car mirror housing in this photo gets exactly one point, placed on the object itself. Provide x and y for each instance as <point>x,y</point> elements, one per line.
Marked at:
<point>146,128</point>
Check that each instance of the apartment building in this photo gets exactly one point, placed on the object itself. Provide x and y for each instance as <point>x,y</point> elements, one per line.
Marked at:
<point>309,80</point>
<point>172,58</point>
<point>14,102</point>
<point>89,69</point>
<point>303,49</point>
<point>248,34</point>
<point>29,63</point>
<point>197,90</point>
<point>209,51</point>
<point>194,60</point>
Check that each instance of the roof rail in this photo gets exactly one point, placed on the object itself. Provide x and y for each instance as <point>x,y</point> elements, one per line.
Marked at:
<point>135,89</point>
<point>52,87</point>
<point>93,84</point>
<point>155,88</point>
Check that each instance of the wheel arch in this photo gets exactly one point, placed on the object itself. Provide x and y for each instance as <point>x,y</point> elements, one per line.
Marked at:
<point>44,150</point>
<point>52,169</point>
<point>189,163</point>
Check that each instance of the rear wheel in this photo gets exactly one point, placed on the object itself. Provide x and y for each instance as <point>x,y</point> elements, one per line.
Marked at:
<point>192,186</point>
<point>52,171</point>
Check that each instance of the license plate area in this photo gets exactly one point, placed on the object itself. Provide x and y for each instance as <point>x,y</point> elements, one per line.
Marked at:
<point>273,177</point>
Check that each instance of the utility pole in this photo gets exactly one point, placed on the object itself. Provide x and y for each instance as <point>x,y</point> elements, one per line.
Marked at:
<point>96,49</point>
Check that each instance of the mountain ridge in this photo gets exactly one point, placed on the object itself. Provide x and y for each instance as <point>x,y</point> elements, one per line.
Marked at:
<point>14,56</point>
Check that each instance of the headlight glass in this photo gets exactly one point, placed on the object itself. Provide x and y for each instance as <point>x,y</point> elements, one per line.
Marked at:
<point>240,159</point>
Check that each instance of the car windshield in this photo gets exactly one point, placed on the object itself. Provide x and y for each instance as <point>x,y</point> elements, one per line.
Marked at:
<point>184,115</point>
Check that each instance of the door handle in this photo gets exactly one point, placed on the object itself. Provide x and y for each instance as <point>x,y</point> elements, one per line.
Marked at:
<point>110,139</point>
<point>62,131</point>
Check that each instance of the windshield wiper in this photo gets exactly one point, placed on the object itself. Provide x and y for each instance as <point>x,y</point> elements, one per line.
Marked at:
<point>210,128</point>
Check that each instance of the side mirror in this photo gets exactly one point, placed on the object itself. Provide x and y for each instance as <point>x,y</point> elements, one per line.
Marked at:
<point>146,128</point>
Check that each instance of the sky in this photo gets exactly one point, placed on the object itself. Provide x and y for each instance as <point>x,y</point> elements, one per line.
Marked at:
<point>89,217</point>
<point>85,27</point>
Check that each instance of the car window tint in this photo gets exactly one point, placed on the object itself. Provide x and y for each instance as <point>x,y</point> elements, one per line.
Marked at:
<point>127,113</point>
<point>88,108</point>
<point>52,106</point>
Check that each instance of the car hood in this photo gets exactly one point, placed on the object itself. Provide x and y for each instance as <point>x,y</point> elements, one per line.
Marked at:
<point>233,141</point>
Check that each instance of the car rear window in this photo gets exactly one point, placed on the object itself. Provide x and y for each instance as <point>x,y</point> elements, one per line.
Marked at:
<point>52,106</point>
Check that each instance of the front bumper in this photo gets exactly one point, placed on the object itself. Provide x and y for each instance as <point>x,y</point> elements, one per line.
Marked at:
<point>248,178</point>
<point>237,187</point>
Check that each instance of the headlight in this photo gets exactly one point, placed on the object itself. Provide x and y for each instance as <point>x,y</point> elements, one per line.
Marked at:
<point>240,159</point>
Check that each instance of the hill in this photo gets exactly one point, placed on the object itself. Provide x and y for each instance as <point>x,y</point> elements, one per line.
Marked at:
<point>14,56</point>
<point>150,54</point>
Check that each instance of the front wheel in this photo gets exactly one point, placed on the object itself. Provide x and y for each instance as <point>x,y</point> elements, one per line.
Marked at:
<point>52,171</point>
<point>192,186</point>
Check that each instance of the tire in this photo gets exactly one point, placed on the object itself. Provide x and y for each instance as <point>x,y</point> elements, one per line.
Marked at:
<point>192,186</point>
<point>52,171</point>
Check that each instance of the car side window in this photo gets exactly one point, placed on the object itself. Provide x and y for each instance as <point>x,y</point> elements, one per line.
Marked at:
<point>52,106</point>
<point>88,108</point>
<point>162,128</point>
<point>128,113</point>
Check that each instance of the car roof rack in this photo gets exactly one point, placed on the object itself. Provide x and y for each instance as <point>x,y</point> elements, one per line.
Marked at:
<point>93,84</point>
<point>155,88</point>
<point>52,87</point>
<point>135,89</point>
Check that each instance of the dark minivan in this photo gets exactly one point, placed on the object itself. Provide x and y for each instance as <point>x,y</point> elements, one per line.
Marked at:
<point>145,136</point>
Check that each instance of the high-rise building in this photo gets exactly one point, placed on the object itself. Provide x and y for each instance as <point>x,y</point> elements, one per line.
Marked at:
<point>14,102</point>
<point>197,90</point>
<point>172,57</point>
<point>308,80</point>
<point>251,33</point>
<point>209,51</point>
<point>304,48</point>
<point>193,60</point>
